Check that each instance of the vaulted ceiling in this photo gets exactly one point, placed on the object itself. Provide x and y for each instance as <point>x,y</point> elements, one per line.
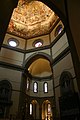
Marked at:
<point>31,19</point>
<point>40,67</point>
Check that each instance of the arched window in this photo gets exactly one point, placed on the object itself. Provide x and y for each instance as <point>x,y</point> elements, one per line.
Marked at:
<point>45,87</point>
<point>46,110</point>
<point>35,87</point>
<point>30,108</point>
<point>35,108</point>
<point>49,108</point>
<point>28,84</point>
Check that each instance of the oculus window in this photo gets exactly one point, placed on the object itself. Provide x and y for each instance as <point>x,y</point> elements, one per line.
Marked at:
<point>13,42</point>
<point>58,30</point>
<point>38,43</point>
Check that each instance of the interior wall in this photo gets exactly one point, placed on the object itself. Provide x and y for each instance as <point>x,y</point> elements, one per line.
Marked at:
<point>65,64</point>
<point>12,57</point>
<point>52,34</point>
<point>40,92</point>
<point>21,44</point>
<point>59,46</point>
<point>44,38</point>
<point>14,77</point>
<point>45,51</point>
<point>29,45</point>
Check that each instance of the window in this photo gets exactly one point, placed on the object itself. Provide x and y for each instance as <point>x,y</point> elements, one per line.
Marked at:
<point>35,87</point>
<point>13,42</point>
<point>38,43</point>
<point>30,109</point>
<point>28,83</point>
<point>58,30</point>
<point>49,108</point>
<point>45,87</point>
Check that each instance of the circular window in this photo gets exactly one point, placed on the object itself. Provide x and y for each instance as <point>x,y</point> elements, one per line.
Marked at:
<point>13,42</point>
<point>38,43</point>
<point>58,30</point>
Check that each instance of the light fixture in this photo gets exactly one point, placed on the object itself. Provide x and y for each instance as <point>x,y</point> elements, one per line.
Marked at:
<point>13,42</point>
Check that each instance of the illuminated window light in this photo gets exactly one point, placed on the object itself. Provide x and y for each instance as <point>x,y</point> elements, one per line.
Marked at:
<point>30,109</point>
<point>38,43</point>
<point>13,42</point>
<point>58,30</point>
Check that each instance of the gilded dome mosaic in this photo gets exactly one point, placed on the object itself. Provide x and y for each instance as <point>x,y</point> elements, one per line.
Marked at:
<point>31,19</point>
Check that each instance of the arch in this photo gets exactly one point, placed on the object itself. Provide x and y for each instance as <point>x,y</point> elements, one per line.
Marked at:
<point>35,56</point>
<point>46,110</point>
<point>66,83</point>
<point>5,89</point>
<point>6,82</point>
<point>35,109</point>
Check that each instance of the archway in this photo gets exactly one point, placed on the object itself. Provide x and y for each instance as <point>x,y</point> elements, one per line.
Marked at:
<point>32,65</point>
<point>38,65</point>
<point>46,110</point>
<point>35,109</point>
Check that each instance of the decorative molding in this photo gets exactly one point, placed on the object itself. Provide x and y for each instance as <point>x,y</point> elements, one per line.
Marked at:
<point>11,66</point>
